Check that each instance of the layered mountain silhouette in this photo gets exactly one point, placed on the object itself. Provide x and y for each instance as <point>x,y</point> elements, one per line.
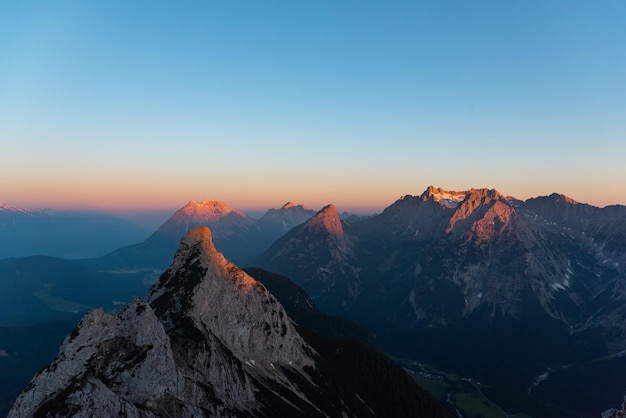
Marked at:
<point>210,340</point>
<point>239,236</point>
<point>46,232</point>
<point>319,256</point>
<point>525,296</point>
<point>474,281</point>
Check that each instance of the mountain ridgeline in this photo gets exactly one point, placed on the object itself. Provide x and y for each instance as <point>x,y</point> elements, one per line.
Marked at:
<point>527,297</point>
<point>210,340</point>
<point>239,236</point>
<point>486,285</point>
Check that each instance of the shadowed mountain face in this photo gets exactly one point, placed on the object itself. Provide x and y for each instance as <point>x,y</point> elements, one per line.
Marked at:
<point>210,340</point>
<point>239,236</point>
<point>24,351</point>
<point>40,289</point>
<point>318,255</point>
<point>480,283</point>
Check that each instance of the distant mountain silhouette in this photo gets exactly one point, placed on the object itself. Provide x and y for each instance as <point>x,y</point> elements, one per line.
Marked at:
<point>525,296</point>
<point>239,236</point>
<point>26,232</point>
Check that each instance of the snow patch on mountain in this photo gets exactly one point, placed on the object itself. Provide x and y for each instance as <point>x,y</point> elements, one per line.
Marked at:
<point>449,199</point>
<point>5,207</point>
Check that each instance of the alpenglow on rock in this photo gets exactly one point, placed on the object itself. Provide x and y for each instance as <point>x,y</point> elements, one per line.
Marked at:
<point>205,342</point>
<point>209,340</point>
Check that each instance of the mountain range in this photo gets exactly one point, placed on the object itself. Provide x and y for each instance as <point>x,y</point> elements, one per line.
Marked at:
<point>210,340</point>
<point>475,282</point>
<point>526,297</point>
<point>239,236</point>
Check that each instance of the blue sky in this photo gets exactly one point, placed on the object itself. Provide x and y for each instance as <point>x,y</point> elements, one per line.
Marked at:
<point>135,105</point>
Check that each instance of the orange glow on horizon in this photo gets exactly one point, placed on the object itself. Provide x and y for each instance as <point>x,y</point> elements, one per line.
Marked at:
<point>170,195</point>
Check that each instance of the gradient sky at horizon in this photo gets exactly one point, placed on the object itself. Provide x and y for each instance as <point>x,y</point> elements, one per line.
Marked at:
<point>149,104</point>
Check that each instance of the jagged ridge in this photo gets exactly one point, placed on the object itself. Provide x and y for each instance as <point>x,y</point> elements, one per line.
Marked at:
<point>210,340</point>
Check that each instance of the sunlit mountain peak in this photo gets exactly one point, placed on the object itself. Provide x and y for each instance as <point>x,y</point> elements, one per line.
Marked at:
<point>447,198</point>
<point>208,210</point>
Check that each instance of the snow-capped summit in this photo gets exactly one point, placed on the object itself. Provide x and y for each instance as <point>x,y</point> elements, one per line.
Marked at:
<point>446,198</point>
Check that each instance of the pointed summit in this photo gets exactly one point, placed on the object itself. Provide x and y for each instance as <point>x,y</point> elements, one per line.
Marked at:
<point>207,210</point>
<point>203,291</point>
<point>213,213</point>
<point>212,341</point>
<point>322,236</point>
<point>326,220</point>
<point>199,243</point>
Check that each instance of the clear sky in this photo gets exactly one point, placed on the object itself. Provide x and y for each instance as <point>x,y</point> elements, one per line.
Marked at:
<point>149,104</point>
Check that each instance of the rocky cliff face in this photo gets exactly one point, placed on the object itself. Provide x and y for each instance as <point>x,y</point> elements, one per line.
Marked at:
<point>482,249</point>
<point>319,254</point>
<point>616,413</point>
<point>206,338</point>
<point>209,340</point>
<point>477,282</point>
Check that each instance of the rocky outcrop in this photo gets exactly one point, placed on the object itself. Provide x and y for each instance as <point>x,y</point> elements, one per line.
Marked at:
<point>205,342</point>
<point>319,255</point>
<point>210,340</point>
<point>616,413</point>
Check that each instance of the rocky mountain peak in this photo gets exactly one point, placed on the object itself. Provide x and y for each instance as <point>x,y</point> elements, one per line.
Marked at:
<point>222,218</point>
<point>557,197</point>
<point>199,243</point>
<point>326,220</point>
<point>207,340</point>
<point>447,198</point>
<point>207,210</point>
<point>203,291</point>
<point>476,204</point>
